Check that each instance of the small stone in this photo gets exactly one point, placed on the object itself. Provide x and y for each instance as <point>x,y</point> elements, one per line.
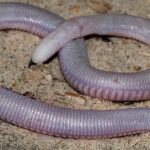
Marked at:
<point>101,7</point>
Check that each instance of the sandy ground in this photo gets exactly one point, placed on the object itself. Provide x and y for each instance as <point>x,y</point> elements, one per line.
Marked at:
<point>42,81</point>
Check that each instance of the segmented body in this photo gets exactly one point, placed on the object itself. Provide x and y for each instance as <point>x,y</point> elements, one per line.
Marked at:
<point>48,119</point>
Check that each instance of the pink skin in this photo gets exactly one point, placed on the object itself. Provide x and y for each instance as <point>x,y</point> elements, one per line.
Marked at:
<point>73,123</point>
<point>102,24</point>
<point>86,79</point>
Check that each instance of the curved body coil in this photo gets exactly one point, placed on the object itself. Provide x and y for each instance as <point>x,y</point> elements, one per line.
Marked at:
<point>44,118</point>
